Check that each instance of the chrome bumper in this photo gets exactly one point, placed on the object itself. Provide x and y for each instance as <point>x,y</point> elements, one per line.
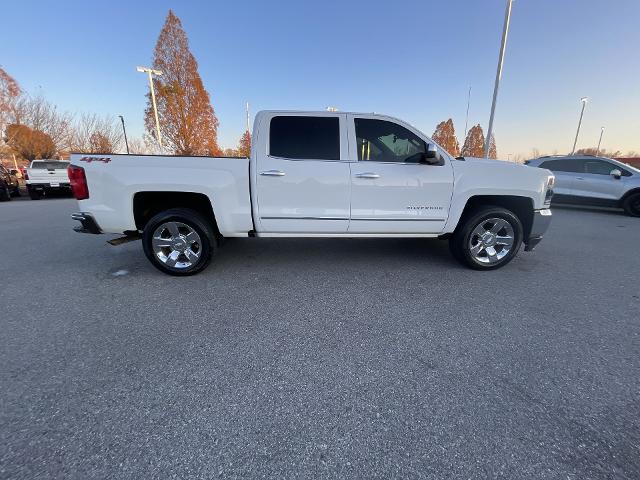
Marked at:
<point>87,223</point>
<point>540,224</point>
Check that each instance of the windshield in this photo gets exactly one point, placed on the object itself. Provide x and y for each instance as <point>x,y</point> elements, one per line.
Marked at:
<point>49,165</point>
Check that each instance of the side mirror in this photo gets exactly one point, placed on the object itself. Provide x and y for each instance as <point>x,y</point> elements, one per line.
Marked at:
<point>615,173</point>
<point>431,156</point>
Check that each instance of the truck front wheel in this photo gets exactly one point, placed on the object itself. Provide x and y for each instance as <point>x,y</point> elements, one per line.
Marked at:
<point>487,238</point>
<point>179,241</point>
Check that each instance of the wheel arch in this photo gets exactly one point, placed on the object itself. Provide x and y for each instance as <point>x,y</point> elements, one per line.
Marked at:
<point>147,204</point>
<point>629,193</point>
<point>521,206</point>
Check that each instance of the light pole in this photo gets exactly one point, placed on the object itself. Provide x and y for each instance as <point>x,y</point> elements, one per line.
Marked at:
<point>466,119</point>
<point>150,72</point>
<point>584,101</point>
<point>600,140</point>
<point>503,46</point>
<point>248,117</point>
<point>124,130</point>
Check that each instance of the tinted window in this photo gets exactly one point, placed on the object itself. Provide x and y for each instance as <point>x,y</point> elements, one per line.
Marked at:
<point>565,165</point>
<point>599,167</point>
<point>50,165</point>
<point>305,137</point>
<point>382,141</point>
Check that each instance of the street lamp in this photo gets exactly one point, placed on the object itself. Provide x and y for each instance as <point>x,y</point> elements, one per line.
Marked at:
<point>503,46</point>
<point>150,72</point>
<point>126,142</point>
<point>600,141</point>
<point>584,101</point>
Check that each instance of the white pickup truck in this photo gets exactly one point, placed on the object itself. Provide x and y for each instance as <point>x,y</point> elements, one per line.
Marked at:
<point>46,176</point>
<point>315,174</point>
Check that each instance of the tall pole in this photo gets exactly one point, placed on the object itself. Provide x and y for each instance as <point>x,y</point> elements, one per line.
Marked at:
<point>584,103</point>
<point>247,106</point>
<point>600,141</point>
<point>150,72</point>
<point>124,130</point>
<point>155,108</point>
<point>505,32</point>
<point>466,119</point>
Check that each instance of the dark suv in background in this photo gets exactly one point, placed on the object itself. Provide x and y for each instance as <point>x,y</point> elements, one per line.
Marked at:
<point>590,180</point>
<point>9,185</point>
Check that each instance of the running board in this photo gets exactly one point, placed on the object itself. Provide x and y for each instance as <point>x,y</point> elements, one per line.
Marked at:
<point>126,239</point>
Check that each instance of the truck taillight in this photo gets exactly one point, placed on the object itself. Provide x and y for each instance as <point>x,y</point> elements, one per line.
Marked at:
<point>78,182</point>
<point>25,175</point>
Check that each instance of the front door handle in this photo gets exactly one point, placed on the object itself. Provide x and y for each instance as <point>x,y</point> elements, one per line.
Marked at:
<point>272,173</point>
<point>367,175</point>
<point>579,178</point>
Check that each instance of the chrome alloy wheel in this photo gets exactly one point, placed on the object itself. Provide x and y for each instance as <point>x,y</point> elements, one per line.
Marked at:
<point>177,245</point>
<point>491,240</point>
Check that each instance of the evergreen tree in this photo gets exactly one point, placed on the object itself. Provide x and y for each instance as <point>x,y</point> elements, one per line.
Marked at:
<point>188,124</point>
<point>445,136</point>
<point>474,143</point>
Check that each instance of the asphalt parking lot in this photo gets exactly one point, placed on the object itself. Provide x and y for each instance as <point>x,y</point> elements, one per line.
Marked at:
<point>319,358</point>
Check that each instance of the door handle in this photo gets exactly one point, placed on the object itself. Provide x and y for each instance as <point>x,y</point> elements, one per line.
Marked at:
<point>272,173</point>
<point>367,175</point>
<point>579,178</point>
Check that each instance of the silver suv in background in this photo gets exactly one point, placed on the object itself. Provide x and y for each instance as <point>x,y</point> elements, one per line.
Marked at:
<point>590,180</point>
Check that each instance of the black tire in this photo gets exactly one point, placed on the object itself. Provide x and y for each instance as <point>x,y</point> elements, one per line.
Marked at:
<point>206,247</point>
<point>631,204</point>
<point>5,193</point>
<point>34,194</point>
<point>461,241</point>
<point>16,192</point>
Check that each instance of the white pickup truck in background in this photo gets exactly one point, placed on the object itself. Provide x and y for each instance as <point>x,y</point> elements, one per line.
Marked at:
<point>315,174</point>
<point>46,176</point>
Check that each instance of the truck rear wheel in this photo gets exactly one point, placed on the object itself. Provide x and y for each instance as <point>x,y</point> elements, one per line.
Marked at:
<point>179,241</point>
<point>5,193</point>
<point>34,194</point>
<point>487,238</point>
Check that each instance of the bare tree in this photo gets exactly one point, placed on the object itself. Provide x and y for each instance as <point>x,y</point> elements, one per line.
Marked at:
<point>39,114</point>
<point>95,134</point>
<point>9,94</point>
<point>137,146</point>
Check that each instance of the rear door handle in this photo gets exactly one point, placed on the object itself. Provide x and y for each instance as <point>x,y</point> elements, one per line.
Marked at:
<point>272,173</point>
<point>367,175</point>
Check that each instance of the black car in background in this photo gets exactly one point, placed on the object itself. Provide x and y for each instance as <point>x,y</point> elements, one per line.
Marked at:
<point>9,186</point>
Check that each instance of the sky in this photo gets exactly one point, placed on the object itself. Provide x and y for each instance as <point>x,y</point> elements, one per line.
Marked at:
<point>414,60</point>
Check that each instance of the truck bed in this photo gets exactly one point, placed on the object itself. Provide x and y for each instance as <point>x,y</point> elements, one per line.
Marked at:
<point>114,180</point>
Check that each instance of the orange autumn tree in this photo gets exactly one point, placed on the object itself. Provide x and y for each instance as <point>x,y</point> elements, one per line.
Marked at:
<point>244,147</point>
<point>28,143</point>
<point>493,151</point>
<point>445,136</point>
<point>474,143</point>
<point>188,124</point>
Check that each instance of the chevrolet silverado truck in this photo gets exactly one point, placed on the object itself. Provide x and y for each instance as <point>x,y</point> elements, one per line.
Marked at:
<point>46,176</point>
<point>314,174</point>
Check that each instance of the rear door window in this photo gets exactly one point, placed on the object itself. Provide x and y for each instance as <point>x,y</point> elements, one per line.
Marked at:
<point>304,137</point>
